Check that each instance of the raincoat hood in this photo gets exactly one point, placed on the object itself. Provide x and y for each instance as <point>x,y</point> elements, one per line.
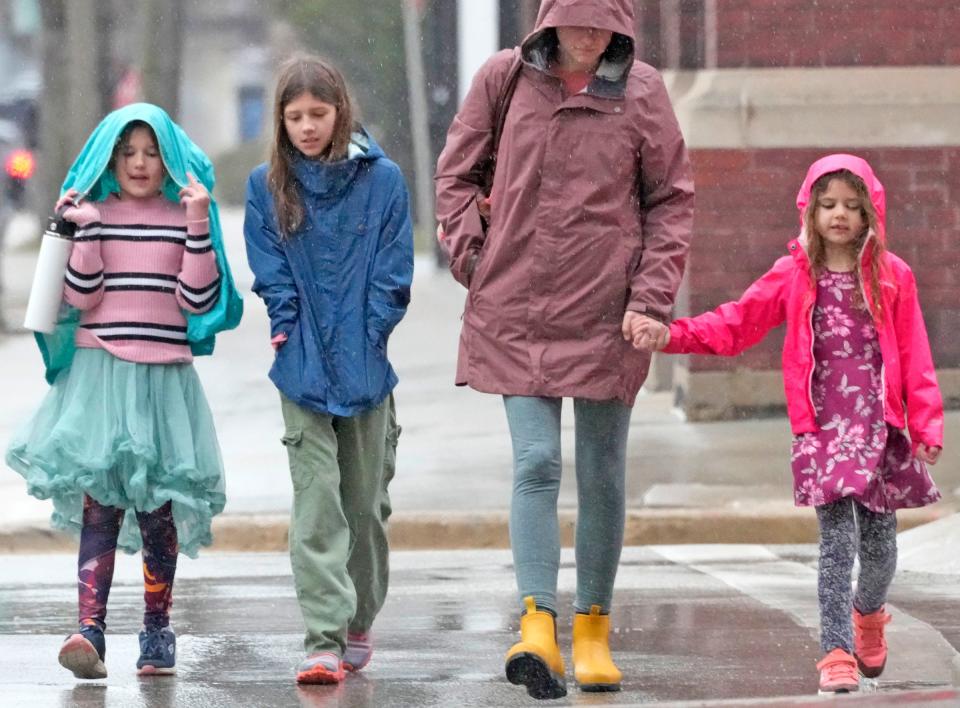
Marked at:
<point>613,15</point>
<point>861,168</point>
<point>909,393</point>
<point>330,179</point>
<point>90,175</point>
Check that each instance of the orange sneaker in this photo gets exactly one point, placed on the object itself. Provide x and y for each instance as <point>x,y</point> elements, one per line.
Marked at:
<point>838,673</point>
<point>324,667</point>
<point>869,644</point>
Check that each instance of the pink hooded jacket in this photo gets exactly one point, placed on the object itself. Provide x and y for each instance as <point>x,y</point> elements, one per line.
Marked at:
<point>787,292</point>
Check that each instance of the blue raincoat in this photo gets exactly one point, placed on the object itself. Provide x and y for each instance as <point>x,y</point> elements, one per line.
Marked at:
<point>90,176</point>
<point>338,285</point>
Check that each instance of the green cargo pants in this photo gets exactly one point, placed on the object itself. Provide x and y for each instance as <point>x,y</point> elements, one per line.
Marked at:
<point>340,468</point>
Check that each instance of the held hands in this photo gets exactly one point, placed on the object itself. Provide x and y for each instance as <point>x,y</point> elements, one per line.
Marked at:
<point>928,453</point>
<point>195,199</point>
<point>646,333</point>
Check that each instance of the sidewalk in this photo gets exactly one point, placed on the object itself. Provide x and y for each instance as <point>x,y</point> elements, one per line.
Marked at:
<point>726,482</point>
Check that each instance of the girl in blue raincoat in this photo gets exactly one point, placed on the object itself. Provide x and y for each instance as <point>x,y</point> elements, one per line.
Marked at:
<point>330,244</point>
<point>125,437</point>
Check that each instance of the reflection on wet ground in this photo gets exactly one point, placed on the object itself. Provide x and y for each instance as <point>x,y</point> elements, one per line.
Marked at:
<point>708,628</point>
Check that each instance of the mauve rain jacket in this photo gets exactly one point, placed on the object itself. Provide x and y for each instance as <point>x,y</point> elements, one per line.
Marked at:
<point>787,292</point>
<point>592,216</point>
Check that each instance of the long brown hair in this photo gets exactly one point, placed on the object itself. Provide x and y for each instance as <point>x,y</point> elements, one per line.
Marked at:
<point>816,251</point>
<point>304,73</point>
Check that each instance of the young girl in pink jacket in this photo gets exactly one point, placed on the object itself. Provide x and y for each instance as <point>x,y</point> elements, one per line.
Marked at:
<point>857,371</point>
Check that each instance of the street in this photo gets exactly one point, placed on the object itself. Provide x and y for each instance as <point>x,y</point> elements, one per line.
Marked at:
<point>691,624</point>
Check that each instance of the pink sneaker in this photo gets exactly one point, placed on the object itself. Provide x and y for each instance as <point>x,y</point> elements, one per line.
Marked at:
<point>838,673</point>
<point>869,644</point>
<point>359,650</point>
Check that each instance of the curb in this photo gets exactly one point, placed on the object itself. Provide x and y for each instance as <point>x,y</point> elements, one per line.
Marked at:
<point>767,524</point>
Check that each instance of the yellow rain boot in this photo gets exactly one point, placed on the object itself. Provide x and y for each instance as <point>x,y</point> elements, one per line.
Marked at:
<point>535,660</point>
<point>592,665</point>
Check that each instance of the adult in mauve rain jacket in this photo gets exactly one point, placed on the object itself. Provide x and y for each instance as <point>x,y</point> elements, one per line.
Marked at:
<point>592,210</point>
<point>787,293</point>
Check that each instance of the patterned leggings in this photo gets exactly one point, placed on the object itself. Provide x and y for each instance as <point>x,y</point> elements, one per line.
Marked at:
<point>98,548</point>
<point>848,529</point>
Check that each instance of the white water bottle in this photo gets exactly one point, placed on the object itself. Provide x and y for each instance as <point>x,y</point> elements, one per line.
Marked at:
<point>46,292</point>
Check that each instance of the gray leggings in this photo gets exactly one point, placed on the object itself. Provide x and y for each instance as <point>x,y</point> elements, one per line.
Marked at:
<point>847,527</point>
<point>601,442</point>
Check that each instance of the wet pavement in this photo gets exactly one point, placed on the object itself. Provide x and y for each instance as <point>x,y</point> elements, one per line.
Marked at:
<point>692,624</point>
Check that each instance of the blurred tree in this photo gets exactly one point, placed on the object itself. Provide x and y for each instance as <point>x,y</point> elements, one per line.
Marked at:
<point>74,93</point>
<point>365,40</point>
<point>162,53</point>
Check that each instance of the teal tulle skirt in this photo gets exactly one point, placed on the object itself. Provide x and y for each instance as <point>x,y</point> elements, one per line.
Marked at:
<point>130,435</point>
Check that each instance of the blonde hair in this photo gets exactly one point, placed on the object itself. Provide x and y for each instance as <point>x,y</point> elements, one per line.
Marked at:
<point>816,250</point>
<point>304,74</point>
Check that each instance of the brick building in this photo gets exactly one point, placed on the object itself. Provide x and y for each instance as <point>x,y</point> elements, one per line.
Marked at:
<point>767,86</point>
<point>764,87</point>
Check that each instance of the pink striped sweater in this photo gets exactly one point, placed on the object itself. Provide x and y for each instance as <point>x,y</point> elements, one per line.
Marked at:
<point>136,266</point>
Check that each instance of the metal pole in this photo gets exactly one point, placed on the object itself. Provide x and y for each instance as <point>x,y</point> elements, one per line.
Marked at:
<point>670,33</point>
<point>419,118</point>
<point>710,41</point>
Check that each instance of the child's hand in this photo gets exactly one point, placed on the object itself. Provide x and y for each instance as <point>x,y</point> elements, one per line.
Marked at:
<point>81,213</point>
<point>929,454</point>
<point>70,198</point>
<point>195,199</point>
<point>646,333</point>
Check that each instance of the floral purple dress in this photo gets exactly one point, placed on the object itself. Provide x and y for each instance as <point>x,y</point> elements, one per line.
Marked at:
<point>855,453</point>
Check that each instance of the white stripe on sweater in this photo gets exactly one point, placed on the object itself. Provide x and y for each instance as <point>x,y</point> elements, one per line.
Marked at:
<point>198,299</point>
<point>84,282</point>
<point>140,281</point>
<point>145,233</point>
<point>127,331</point>
<point>197,245</point>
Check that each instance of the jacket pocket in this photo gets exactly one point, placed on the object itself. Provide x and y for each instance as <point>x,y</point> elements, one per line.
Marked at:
<point>295,363</point>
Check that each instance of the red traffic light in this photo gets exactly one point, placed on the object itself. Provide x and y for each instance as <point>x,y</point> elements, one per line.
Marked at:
<point>20,164</point>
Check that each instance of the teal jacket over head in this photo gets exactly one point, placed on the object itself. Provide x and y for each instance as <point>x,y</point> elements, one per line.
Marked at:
<point>91,177</point>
